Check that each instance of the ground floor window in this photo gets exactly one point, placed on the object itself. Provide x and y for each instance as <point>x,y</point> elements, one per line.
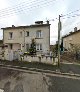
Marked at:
<point>11,46</point>
<point>38,47</point>
<point>27,47</point>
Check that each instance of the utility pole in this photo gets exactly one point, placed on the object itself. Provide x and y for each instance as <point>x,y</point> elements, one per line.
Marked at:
<point>59,29</point>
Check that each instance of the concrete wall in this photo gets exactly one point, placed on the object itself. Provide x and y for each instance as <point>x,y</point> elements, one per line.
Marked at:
<point>44,59</point>
<point>16,36</point>
<point>74,39</point>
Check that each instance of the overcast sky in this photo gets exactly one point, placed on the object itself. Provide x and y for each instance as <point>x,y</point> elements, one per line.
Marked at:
<point>25,12</point>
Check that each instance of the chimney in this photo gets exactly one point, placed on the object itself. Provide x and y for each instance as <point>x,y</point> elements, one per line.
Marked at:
<point>75,29</point>
<point>13,26</point>
<point>47,22</point>
<point>39,22</point>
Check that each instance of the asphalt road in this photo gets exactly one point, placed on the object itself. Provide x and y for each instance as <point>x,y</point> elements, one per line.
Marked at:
<point>17,80</point>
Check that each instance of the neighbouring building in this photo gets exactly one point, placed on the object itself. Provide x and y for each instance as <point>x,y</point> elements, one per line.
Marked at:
<point>1,48</point>
<point>1,45</point>
<point>71,38</point>
<point>19,38</point>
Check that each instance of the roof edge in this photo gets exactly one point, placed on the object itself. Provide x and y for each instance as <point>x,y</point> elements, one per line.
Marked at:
<point>71,33</point>
<point>35,25</point>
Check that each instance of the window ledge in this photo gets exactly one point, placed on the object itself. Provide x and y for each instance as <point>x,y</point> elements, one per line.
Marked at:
<point>38,38</point>
<point>39,50</point>
<point>26,36</point>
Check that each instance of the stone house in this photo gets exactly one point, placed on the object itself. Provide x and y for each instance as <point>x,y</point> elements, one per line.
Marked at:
<point>73,38</point>
<point>19,38</point>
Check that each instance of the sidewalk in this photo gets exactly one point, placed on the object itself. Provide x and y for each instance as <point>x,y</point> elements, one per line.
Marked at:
<point>70,67</point>
<point>65,68</point>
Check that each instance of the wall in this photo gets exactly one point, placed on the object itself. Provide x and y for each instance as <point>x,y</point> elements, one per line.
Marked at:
<point>17,38</point>
<point>44,59</point>
<point>0,52</point>
<point>44,40</point>
<point>74,39</point>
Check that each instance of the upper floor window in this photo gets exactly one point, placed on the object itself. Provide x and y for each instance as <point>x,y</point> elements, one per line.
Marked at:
<point>10,35</point>
<point>27,33</point>
<point>38,34</point>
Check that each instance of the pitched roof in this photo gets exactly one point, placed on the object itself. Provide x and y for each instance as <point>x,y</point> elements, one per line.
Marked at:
<point>28,26</point>
<point>71,33</point>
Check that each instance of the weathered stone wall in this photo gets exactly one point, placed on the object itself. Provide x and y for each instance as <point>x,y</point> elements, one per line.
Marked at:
<point>44,59</point>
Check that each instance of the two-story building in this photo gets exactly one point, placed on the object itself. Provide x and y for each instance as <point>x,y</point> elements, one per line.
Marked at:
<point>20,37</point>
<point>71,38</point>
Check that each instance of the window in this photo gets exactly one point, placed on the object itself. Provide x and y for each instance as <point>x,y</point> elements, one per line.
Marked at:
<point>27,47</point>
<point>20,34</point>
<point>10,35</point>
<point>38,47</point>
<point>27,33</point>
<point>11,46</point>
<point>38,34</point>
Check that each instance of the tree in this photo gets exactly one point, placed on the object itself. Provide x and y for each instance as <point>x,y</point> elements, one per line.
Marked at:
<point>75,49</point>
<point>32,49</point>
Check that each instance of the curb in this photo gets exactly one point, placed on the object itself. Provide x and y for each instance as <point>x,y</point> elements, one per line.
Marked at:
<point>41,70</point>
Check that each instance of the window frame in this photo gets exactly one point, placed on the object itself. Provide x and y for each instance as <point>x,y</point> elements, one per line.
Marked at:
<point>11,46</point>
<point>27,33</point>
<point>38,34</point>
<point>39,47</point>
<point>10,35</point>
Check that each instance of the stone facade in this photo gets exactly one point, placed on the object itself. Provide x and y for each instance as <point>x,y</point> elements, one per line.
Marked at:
<point>72,38</point>
<point>17,38</point>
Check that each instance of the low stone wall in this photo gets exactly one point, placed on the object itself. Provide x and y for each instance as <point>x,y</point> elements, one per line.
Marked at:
<point>44,59</point>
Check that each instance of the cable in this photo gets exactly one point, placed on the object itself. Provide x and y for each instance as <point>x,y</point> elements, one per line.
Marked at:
<point>28,9</point>
<point>22,6</point>
<point>73,16</point>
<point>70,13</point>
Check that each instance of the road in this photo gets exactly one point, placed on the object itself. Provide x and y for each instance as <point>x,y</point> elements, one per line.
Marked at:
<point>18,80</point>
